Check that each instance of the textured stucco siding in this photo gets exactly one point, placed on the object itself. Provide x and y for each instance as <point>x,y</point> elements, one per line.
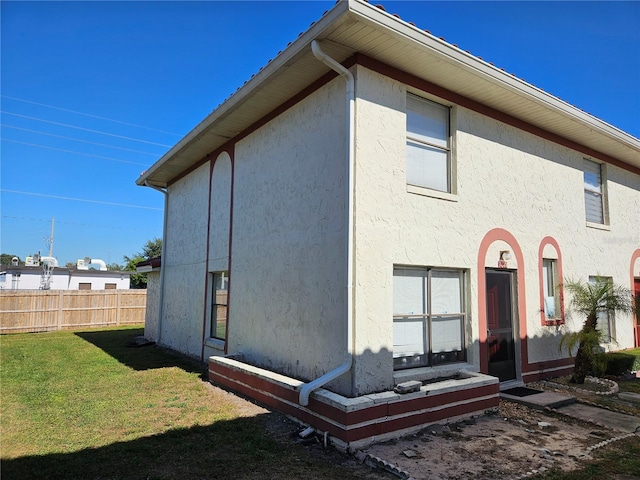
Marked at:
<point>220,214</point>
<point>184,262</point>
<point>151,314</point>
<point>287,300</point>
<point>506,178</point>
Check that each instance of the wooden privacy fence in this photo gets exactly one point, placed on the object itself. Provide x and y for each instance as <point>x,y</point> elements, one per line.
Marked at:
<point>45,310</point>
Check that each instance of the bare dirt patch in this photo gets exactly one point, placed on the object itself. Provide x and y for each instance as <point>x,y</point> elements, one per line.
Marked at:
<point>510,442</point>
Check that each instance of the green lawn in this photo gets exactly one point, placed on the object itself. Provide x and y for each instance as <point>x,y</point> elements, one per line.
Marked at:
<point>86,405</point>
<point>619,461</point>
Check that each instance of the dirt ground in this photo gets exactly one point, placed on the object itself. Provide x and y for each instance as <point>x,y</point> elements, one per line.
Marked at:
<point>503,444</point>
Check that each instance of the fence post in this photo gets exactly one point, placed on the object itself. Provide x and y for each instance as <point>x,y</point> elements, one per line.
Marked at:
<point>60,314</point>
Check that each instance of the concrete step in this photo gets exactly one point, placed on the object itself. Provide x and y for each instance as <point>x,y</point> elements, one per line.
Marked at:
<point>541,400</point>
<point>601,416</point>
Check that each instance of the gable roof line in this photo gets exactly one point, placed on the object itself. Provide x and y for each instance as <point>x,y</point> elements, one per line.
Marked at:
<point>294,48</point>
<point>346,13</point>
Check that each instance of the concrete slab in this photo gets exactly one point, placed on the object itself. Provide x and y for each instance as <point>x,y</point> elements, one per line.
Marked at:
<point>540,401</point>
<point>601,416</point>
<point>629,397</point>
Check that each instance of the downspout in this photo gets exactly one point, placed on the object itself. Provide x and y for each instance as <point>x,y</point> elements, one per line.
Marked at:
<point>162,258</point>
<point>307,388</point>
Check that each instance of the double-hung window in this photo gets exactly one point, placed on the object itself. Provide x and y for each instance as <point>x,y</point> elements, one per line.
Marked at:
<point>551,289</point>
<point>219,305</point>
<point>594,192</point>
<point>428,145</point>
<point>429,317</point>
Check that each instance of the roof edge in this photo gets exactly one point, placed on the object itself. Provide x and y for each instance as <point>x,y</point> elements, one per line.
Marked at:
<point>496,75</point>
<point>297,46</point>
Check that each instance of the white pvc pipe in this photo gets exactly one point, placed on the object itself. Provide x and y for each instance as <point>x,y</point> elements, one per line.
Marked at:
<point>97,261</point>
<point>307,388</point>
<point>162,258</point>
<point>51,260</point>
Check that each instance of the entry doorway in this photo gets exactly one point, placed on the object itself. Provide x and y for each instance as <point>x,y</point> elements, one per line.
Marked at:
<point>501,318</point>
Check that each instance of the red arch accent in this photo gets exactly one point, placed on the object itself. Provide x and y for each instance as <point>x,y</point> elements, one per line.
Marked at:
<point>543,320</point>
<point>634,256</point>
<point>500,234</point>
<point>229,150</point>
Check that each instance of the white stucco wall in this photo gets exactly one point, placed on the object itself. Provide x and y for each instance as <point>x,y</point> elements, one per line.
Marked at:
<point>287,270</point>
<point>184,262</point>
<point>151,315</point>
<point>97,281</point>
<point>31,280</point>
<point>220,214</point>
<point>287,301</point>
<point>64,279</point>
<point>506,178</point>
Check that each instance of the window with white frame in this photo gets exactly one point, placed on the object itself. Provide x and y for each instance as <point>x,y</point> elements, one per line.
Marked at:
<point>594,192</point>
<point>550,288</point>
<point>428,144</point>
<point>219,299</point>
<point>429,316</point>
<point>605,322</point>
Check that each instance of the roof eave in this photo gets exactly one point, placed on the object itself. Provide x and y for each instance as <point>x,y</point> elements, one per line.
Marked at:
<point>160,174</point>
<point>295,48</point>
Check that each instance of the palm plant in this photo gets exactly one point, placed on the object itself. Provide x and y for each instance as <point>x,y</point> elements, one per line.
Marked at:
<point>590,299</point>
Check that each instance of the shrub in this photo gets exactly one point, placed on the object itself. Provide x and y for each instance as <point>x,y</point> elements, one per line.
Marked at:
<point>617,363</point>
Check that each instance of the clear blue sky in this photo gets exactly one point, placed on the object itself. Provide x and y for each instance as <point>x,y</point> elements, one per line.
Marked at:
<point>165,65</point>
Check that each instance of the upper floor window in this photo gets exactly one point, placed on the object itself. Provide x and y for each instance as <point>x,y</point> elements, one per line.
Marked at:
<point>594,192</point>
<point>428,145</point>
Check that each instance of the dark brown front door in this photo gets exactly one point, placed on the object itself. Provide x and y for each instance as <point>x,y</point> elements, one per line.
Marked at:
<point>500,334</point>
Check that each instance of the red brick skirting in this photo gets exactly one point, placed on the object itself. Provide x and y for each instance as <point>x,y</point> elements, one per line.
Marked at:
<point>372,420</point>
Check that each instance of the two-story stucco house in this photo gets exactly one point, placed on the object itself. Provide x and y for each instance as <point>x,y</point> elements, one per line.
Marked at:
<point>377,206</point>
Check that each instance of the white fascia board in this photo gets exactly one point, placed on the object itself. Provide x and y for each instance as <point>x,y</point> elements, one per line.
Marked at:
<point>300,44</point>
<point>471,63</point>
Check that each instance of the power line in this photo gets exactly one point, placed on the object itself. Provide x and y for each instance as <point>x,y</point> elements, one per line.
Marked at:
<point>82,128</point>
<point>76,139</point>
<point>48,220</point>
<point>71,151</point>
<point>79,199</point>
<point>90,115</point>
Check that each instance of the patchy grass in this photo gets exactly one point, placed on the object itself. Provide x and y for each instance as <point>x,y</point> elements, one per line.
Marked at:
<point>618,460</point>
<point>629,385</point>
<point>86,405</point>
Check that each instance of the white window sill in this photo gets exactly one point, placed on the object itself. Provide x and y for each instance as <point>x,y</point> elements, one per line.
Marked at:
<point>427,192</point>
<point>598,226</point>
<point>215,343</point>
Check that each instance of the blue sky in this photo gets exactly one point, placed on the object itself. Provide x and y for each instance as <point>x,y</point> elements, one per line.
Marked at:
<point>128,79</point>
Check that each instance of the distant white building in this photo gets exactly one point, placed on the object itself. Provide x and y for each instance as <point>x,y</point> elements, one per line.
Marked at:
<point>15,277</point>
